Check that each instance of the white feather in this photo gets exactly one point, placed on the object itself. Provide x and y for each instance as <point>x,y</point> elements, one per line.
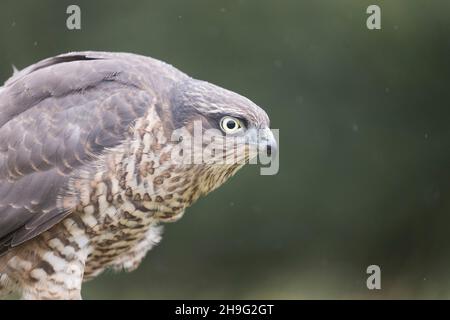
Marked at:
<point>15,70</point>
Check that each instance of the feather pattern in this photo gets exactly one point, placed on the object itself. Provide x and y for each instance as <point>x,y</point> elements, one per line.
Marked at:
<point>55,116</point>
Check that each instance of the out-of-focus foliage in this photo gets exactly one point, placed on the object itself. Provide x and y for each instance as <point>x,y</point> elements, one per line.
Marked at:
<point>365,141</point>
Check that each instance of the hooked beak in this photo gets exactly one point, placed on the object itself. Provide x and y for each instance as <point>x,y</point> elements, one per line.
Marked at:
<point>267,143</point>
<point>264,140</point>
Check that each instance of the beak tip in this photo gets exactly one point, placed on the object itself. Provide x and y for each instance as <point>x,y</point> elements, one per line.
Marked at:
<point>270,146</point>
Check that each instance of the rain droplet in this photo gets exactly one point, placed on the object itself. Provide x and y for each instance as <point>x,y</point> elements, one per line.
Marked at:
<point>299,99</point>
<point>278,63</point>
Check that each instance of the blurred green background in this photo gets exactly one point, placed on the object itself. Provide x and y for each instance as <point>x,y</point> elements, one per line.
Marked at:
<point>364,148</point>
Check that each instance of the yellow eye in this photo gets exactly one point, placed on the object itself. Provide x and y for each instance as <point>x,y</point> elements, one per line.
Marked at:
<point>230,125</point>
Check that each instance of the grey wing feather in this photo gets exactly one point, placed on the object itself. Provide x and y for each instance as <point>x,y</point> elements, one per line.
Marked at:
<point>54,117</point>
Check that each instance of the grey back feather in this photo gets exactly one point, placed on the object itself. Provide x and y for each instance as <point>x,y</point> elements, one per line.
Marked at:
<point>54,116</point>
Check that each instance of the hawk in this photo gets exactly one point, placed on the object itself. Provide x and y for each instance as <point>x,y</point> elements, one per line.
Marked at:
<point>87,168</point>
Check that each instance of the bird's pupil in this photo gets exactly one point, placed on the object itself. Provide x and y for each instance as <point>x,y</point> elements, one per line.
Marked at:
<point>231,125</point>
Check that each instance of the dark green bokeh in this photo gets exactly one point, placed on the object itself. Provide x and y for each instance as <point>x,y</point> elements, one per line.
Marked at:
<point>364,121</point>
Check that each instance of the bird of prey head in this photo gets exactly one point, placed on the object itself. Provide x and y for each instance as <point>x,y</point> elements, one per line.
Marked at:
<point>224,130</point>
<point>96,150</point>
<point>229,113</point>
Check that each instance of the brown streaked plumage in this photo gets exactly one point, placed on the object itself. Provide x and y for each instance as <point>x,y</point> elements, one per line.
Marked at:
<point>86,174</point>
